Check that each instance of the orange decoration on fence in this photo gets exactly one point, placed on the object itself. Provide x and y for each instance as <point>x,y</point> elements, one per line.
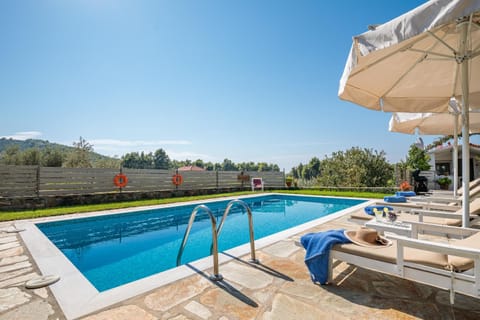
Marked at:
<point>405,186</point>
<point>177,179</point>
<point>120,180</point>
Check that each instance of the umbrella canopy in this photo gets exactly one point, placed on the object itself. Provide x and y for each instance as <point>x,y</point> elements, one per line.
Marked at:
<point>412,63</point>
<point>430,123</point>
<point>434,124</point>
<point>417,62</point>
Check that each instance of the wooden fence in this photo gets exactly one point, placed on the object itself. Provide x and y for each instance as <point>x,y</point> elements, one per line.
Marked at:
<point>34,181</point>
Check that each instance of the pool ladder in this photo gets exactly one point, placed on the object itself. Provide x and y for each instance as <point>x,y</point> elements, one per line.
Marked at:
<point>216,232</point>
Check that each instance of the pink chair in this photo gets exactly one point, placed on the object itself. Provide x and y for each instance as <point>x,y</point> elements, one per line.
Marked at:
<point>257,183</point>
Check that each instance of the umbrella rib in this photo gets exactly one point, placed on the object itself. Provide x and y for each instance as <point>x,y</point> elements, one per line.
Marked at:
<point>425,55</point>
<point>432,53</point>
<point>406,47</point>
<point>455,80</point>
<point>403,75</point>
<point>473,55</point>
<point>441,41</point>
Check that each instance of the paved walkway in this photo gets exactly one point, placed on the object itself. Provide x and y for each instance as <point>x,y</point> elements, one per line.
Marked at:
<point>278,288</point>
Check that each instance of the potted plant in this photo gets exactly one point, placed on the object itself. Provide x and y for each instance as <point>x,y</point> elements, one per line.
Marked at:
<point>444,182</point>
<point>288,181</point>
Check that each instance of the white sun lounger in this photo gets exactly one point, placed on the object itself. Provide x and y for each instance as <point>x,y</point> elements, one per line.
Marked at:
<point>454,267</point>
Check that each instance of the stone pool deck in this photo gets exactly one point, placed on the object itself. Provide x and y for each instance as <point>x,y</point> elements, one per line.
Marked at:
<point>278,288</point>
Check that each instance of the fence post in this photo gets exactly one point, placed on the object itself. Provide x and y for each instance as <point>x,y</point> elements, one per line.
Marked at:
<point>121,170</point>
<point>176,185</point>
<point>37,184</point>
<point>216,178</point>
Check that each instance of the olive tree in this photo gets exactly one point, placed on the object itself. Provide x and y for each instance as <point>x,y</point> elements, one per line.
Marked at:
<point>80,157</point>
<point>417,159</point>
<point>355,167</point>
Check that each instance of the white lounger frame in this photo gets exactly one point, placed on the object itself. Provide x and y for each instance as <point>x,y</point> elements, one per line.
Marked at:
<point>468,284</point>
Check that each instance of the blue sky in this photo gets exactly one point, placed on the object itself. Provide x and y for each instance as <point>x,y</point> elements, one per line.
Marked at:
<point>213,79</point>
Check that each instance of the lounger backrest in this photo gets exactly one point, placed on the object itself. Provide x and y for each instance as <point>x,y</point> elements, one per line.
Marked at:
<point>474,209</point>
<point>461,264</point>
<point>472,185</point>
<point>475,206</point>
<point>475,191</point>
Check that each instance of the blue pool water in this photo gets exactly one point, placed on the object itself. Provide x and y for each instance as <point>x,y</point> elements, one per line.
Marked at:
<point>116,249</point>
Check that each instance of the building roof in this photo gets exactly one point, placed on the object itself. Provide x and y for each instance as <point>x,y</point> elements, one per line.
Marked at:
<point>448,148</point>
<point>191,168</point>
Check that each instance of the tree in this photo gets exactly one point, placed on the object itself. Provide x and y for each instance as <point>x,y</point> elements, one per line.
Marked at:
<point>297,171</point>
<point>135,160</point>
<point>110,163</point>
<point>80,157</point>
<point>312,169</point>
<point>417,159</point>
<point>161,160</point>
<point>209,166</point>
<point>31,157</point>
<point>51,158</point>
<point>356,168</point>
<point>12,155</point>
<point>228,165</point>
<point>199,163</point>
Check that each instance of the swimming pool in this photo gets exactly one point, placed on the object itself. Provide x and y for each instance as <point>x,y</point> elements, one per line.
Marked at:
<point>113,250</point>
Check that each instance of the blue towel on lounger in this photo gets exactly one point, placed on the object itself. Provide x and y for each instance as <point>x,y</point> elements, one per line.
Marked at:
<point>396,199</point>
<point>405,194</point>
<point>369,209</point>
<point>318,247</point>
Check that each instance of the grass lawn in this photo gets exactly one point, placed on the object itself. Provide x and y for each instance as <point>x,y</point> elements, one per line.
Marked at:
<point>27,214</point>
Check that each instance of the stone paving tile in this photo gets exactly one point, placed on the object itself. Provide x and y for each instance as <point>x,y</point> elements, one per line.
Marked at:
<point>41,292</point>
<point>15,266</point>
<point>198,309</point>
<point>18,280</point>
<point>285,307</point>
<point>12,274</point>
<point>8,239</point>
<point>235,306</point>
<point>12,297</point>
<point>281,249</point>
<point>178,317</point>
<point>246,276</point>
<point>35,310</point>
<point>129,312</point>
<point>14,259</point>
<point>169,296</point>
<point>16,251</point>
<point>9,245</point>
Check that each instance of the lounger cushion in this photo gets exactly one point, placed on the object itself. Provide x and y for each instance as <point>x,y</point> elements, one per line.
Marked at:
<point>361,215</point>
<point>433,220</point>
<point>395,199</point>
<point>405,193</point>
<point>475,206</point>
<point>389,254</point>
<point>369,209</point>
<point>461,264</point>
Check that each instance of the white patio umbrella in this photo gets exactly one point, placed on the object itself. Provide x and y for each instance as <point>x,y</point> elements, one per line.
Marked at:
<point>435,124</point>
<point>417,62</point>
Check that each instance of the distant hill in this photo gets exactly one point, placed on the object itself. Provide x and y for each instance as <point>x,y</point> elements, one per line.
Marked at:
<point>43,144</point>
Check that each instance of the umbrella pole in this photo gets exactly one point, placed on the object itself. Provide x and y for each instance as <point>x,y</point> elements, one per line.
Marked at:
<point>455,155</point>
<point>463,59</point>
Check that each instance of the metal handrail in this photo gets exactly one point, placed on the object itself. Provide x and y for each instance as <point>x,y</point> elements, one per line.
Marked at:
<point>250,225</point>
<point>216,275</point>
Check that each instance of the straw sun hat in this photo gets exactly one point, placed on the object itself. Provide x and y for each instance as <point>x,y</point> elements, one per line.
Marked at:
<point>368,238</point>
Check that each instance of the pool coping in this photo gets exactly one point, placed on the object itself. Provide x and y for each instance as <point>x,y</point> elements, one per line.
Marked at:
<point>85,299</point>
